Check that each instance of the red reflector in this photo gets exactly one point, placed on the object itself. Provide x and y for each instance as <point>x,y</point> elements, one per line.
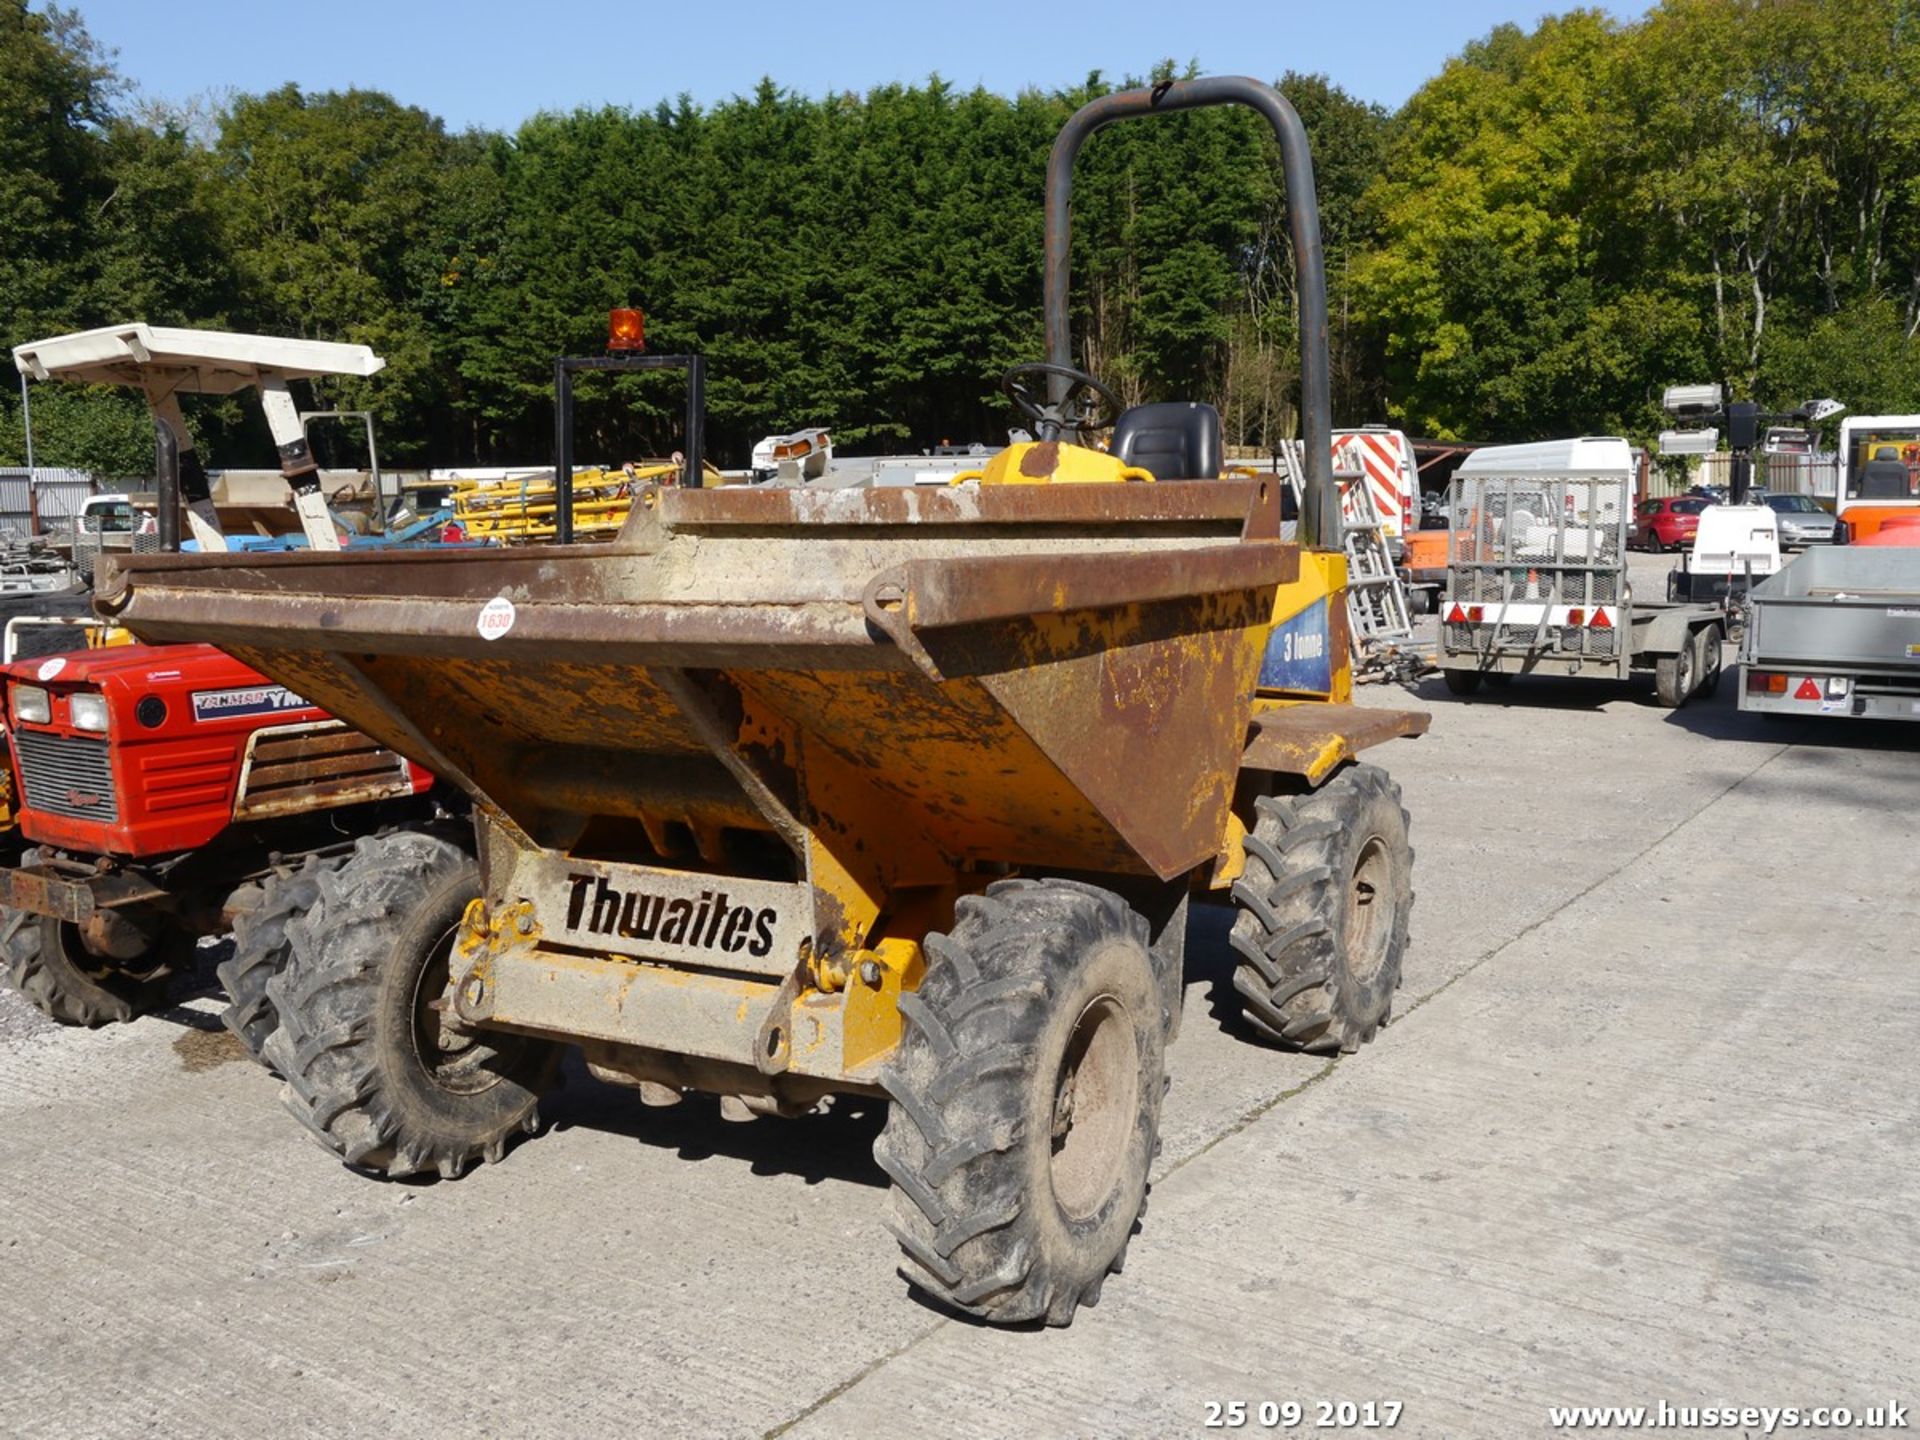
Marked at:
<point>1576,617</point>
<point>1757,680</point>
<point>1601,620</point>
<point>1807,691</point>
<point>1456,616</point>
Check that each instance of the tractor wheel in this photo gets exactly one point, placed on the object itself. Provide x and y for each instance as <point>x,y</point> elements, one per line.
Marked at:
<point>1673,677</point>
<point>260,949</point>
<point>369,1062</point>
<point>49,964</point>
<point>1026,1102</point>
<point>1461,682</point>
<point>1706,661</point>
<point>1323,908</point>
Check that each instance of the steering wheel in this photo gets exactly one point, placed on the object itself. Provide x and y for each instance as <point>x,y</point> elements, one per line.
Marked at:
<point>1086,405</point>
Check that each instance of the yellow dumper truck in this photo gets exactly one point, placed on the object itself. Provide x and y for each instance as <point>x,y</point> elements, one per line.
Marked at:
<point>888,792</point>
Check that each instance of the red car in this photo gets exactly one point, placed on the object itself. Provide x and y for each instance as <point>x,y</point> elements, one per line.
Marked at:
<point>1667,524</point>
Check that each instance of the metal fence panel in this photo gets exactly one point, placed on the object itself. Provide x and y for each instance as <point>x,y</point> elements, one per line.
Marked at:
<point>54,493</point>
<point>1815,475</point>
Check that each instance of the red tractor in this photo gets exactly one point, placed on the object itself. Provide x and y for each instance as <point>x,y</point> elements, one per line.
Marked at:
<point>171,792</point>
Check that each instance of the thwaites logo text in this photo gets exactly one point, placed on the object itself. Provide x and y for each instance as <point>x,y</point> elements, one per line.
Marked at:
<point>711,922</point>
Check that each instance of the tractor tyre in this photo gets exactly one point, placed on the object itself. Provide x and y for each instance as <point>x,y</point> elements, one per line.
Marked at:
<point>1706,661</point>
<point>1461,682</point>
<point>48,964</point>
<point>260,949</point>
<point>1673,677</point>
<point>369,1063</point>
<point>1026,1102</point>
<point>1324,904</point>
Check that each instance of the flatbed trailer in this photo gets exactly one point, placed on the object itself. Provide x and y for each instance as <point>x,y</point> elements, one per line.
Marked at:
<point>1837,632</point>
<point>1537,584</point>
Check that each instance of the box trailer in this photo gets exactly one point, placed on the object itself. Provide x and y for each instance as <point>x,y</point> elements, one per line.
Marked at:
<point>1837,632</point>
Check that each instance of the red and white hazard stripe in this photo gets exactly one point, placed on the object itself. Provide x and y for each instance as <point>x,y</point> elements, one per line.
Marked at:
<point>1379,456</point>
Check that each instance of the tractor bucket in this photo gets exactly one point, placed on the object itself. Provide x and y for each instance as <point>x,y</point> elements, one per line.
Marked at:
<point>1052,676</point>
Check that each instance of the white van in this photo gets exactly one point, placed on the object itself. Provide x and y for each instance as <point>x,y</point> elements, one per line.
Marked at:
<point>1597,456</point>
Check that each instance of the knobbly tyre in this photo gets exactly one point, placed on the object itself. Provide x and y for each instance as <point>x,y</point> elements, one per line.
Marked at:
<point>889,792</point>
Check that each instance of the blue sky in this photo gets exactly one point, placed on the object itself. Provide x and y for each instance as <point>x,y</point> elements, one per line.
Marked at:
<point>494,62</point>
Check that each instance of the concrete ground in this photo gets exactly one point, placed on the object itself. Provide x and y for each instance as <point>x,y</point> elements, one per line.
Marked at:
<point>1645,1130</point>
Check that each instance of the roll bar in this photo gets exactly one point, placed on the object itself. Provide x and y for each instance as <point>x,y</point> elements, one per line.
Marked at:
<point>1320,502</point>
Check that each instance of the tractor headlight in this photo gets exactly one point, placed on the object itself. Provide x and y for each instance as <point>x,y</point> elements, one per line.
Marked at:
<point>88,712</point>
<point>30,705</point>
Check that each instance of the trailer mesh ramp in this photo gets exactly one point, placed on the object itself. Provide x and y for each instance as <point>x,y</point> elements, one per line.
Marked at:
<point>1537,565</point>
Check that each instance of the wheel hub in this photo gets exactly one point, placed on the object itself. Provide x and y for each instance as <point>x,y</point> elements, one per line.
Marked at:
<point>1095,1099</point>
<point>453,1056</point>
<point>1370,910</point>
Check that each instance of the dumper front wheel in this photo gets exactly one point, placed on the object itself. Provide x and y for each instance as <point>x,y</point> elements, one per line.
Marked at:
<point>371,1065</point>
<point>260,950</point>
<point>1026,1094</point>
<point>1324,904</point>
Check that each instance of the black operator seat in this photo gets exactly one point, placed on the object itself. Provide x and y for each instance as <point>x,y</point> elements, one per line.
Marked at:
<point>1175,439</point>
<point>1883,480</point>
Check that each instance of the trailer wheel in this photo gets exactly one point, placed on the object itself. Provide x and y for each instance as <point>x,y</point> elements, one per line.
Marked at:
<point>1673,677</point>
<point>1324,905</point>
<point>1026,1102</point>
<point>50,965</point>
<point>370,1065</point>
<point>1706,661</point>
<point>260,949</point>
<point>1461,682</point>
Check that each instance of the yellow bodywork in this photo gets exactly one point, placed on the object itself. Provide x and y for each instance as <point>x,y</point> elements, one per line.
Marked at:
<point>880,884</point>
<point>1051,462</point>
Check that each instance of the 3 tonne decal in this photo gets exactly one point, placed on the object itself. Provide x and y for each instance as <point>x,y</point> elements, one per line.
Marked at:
<point>1300,653</point>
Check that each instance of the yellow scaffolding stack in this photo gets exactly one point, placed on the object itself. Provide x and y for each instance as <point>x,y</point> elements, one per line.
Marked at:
<point>519,512</point>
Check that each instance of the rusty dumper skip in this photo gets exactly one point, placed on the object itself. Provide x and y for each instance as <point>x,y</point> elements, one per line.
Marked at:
<point>889,792</point>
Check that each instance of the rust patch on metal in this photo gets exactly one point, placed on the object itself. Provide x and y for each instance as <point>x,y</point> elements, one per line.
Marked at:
<point>1042,460</point>
<point>1340,631</point>
<point>1310,740</point>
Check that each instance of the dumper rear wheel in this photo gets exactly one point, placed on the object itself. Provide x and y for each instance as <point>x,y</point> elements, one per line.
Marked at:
<point>260,950</point>
<point>1026,1094</point>
<point>371,1066</point>
<point>1324,904</point>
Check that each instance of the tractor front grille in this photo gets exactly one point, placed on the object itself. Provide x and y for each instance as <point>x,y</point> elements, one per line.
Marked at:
<point>66,775</point>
